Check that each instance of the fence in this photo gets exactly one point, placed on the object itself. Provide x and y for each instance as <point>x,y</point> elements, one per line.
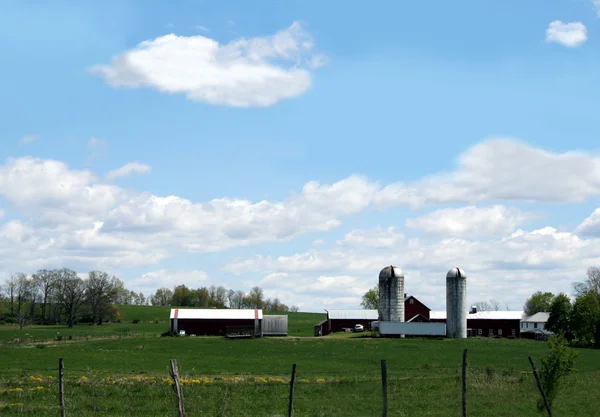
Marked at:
<point>301,392</point>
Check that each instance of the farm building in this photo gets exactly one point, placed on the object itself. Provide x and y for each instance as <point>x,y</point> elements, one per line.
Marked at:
<point>340,319</point>
<point>487,323</point>
<point>204,322</point>
<point>534,326</point>
<point>414,311</point>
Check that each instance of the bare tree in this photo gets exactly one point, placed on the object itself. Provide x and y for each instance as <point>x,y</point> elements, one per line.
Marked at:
<point>21,290</point>
<point>45,281</point>
<point>592,283</point>
<point>494,305</point>
<point>256,297</point>
<point>483,306</point>
<point>71,293</point>
<point>10,286</point>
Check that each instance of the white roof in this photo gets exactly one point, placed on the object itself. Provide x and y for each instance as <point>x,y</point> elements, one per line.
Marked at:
<point>353,314</point>
<point>540,317</point>
<point>490,315</point>
<point>216,313</point>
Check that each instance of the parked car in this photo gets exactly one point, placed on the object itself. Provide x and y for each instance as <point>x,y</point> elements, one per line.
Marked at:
<point>359,328</point>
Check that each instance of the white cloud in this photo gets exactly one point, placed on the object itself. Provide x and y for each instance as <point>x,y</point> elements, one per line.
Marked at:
<point>150,281</point>
<point>377,238</point>
<point>590,227</point>
<point>597,6</point>
<point>28,139</point>
<point>129,169</point>
<point>1,213</point>
<point>509,269</point>
<point>567,34</point>
<point>242,73</point>
<point>503,169</point>
<point>202,28</point>
<point>471,221</point>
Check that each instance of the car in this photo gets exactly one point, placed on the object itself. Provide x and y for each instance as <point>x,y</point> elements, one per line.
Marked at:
<point>359,328</point>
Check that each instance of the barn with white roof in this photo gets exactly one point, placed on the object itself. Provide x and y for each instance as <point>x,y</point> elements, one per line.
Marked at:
<point>487,323</point>
<point>223,322</point>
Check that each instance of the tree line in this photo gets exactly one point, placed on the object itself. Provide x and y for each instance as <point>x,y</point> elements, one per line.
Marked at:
<point>61,296</point>
<point>577,319</point>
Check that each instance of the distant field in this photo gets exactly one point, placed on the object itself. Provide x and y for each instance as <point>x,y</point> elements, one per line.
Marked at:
<point>338,375</point>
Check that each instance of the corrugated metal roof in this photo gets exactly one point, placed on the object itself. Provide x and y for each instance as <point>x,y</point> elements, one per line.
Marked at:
<point>541,317</point>
<point>352,314</point>
<point>216,313</point>
<point>490,315</point>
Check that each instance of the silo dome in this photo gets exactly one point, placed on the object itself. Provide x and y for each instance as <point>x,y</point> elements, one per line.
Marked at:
<point>391,294</point>
<point>391,271</point>
<point>456,303</point>
<point>456,273</point>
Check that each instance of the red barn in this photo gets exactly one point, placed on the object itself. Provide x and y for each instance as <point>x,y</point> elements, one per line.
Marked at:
<point>203,322</point>
<point>488,323</point>
<point>415,311</point>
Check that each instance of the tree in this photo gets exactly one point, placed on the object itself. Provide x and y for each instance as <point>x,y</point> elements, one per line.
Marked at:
<point>45,280</point>
<point>162,297</point>
<point>370,299</point>
<point>592,283</point>
<point>494,305</point>
<point>560,314</point>
<point>557,363</point>
<point>256,298</point>
<point>538,302</point>
<point>182,296</point>
<point>101,292</point>
<point>483,306</point>
<point>21,290</point>
<point>10,286</point>
<point>586,318</point>
<point>71,293</point>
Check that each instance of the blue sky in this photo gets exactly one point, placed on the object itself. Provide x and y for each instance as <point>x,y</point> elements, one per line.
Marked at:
<point>478,117</point>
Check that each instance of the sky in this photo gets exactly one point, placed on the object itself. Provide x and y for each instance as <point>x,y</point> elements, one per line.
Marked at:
<point>302,146</point>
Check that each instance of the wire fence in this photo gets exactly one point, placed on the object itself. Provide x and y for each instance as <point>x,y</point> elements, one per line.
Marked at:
<point>384,389</point>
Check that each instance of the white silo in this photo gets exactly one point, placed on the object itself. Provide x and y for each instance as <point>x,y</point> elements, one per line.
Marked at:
<point>456,304</point>
<point>391,294</point>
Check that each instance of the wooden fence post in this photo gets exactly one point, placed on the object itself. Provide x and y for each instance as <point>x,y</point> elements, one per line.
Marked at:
<point>177,386</point>
<point>61,388</point>
<point>464,384</point>
<point>539,385</point>
<point>384,385</point>
<point>292,381</point>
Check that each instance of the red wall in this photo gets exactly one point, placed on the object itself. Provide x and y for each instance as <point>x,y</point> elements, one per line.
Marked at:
<point>485,325</point>
<point>417,307</point>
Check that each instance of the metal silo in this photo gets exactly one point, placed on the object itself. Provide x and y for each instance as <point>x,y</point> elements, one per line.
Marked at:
<point>391,294</point>
<point>456,304</point>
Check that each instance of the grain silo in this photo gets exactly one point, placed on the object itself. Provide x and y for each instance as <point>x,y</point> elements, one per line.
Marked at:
<point>391,294</point>
<point>456,304</point>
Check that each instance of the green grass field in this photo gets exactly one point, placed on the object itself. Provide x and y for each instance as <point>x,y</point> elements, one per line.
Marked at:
<point>116,373</point>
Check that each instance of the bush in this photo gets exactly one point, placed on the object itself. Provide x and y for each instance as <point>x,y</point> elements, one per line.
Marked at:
<point>557,363</point>
<point>135,321</point>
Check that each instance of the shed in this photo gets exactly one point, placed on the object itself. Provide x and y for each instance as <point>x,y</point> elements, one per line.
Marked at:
<point>275,325</point>
<point>340,319</point>
<point>222,322</point>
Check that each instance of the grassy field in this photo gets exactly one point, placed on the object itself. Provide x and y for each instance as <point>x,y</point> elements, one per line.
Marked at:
<point>336,375</point>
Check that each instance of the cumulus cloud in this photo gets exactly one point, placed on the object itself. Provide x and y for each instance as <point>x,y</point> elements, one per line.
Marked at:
<point>590,227</point>
<point>494,220</point>
<point>377,238</point>
<point>502,169</point>
<point>128,169</point>
<point>567,34</point>
<point>149,282</point>
<point>28,139</point>
<point>509,268</point>
<point>254,72</point>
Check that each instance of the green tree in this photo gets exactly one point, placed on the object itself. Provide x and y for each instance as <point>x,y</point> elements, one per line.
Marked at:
<point>557,363</point>
<point>370,300</point>
<point>560,314</point>
<point>538,302</point>
<point>586,317</point>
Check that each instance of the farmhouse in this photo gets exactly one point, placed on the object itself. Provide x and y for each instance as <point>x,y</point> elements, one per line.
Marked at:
<point>534,326</point>
<point>487,323</point>
<point>204,322</point>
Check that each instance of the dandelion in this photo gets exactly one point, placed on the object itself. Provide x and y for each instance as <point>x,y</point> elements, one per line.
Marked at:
<point>38,388</point>
<point>16,405</point>
<point>320,380</point>
<point>15,390</point>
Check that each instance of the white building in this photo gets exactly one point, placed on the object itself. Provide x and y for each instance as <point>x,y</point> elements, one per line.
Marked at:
<point>534,326</point>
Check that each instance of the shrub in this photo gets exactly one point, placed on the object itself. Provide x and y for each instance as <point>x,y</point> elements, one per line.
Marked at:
<point>557,363</point>
<point>135,321</point>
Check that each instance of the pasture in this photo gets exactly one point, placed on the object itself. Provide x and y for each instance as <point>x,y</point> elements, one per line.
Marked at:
<point>123,370</point>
